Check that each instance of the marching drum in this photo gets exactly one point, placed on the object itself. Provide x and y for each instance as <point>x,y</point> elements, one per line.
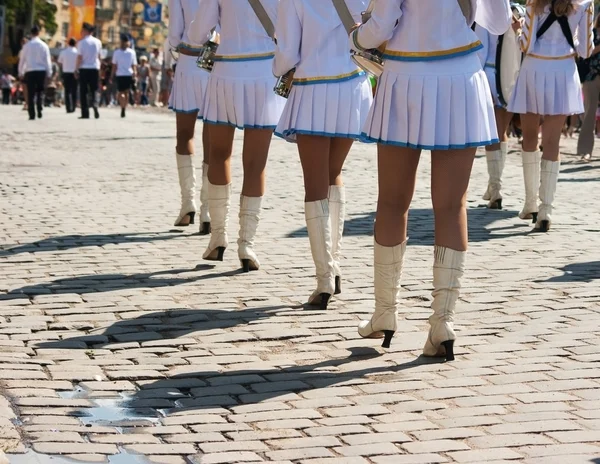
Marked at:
<point>508,59</point>
<point>206,60</point>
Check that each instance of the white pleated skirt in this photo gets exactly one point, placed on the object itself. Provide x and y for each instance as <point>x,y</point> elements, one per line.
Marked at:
<point>547,87</point>
<point>240,94</point>
<point>337,109</point>
<point>433,105</point>
<point>490,73</point>
<point>189,87</point>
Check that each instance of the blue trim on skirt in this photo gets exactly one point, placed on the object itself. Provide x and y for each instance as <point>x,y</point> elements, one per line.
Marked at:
<point>175,110</point>
<point>288,132</point>
<point>366,138</point>
<point>247,126</point>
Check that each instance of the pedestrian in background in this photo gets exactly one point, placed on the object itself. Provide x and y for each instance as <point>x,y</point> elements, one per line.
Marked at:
<point>36,67</point>
<point>6,83</point>
<point>88,67</point>
<point>155,76</point>
<point>124,67</point>
<point>591,96</point>
<point>68,62</point>
<point>143,76</point>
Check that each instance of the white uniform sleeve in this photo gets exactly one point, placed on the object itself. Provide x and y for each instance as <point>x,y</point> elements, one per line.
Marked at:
<point>176,23</point>
<point>61,57</point>
<point>289,37</point>
<point>585,30</point>
<point>528,37</point>
<point>206,19</point>
<point>380,28</point>
<point>494,15</point>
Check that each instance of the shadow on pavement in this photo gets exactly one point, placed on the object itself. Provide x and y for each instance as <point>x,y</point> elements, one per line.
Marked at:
<point>577,272</point>
<point>172,324</point>
<point>68,242</point>
<point>97,283</point>
<point>421,226</point>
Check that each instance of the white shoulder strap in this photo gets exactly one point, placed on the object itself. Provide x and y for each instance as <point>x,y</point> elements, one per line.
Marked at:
<point>263,17</point>
<point>344,13</point>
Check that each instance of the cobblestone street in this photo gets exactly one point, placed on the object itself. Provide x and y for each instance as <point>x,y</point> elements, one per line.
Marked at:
<point>117,340</point>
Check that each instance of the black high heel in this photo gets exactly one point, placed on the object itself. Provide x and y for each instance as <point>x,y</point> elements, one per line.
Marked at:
<point>387,338</point>
<point>534,217</point>
<point>338,285</point>
<point>192,217</point>
<point>205,229</point>
<point>324,300</point>
<point>449,346</point>
<point>544,226</point>
<point>496,204</point>
<point>220,252</point>
<point>248,265</point>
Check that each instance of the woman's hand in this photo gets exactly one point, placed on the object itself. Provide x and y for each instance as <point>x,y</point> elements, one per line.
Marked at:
<point>517,24</point>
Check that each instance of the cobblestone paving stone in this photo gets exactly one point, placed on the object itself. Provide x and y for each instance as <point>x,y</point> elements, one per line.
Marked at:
<point>117,340</point>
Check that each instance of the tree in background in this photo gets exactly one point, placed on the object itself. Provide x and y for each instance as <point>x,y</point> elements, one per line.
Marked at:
<point>19,20</point>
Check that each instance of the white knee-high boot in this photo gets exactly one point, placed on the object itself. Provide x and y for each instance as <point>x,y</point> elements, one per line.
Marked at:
<point>495,165</point>
<point>549,182</point>
<point>249,217</point>
<point>388,262</point>
<point>204,211</point>
<point>504,151</point>
<point>187,183</point>
<point>448,269</point>
<point>337,212</point>
<point>318,224</point>
<point>219,203</point>
<point>531,177</point>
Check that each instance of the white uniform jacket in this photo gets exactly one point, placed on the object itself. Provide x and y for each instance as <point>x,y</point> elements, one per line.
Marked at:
<point>553,44</point>
<point>181,15</point>
<point>243,37</point>
<point>447,34</point>
<point>312,38</point>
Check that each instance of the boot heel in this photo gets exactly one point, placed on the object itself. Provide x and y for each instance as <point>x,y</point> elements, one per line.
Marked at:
<point>325,300</point>
<point>544,226</point>
<point>449,346</point>
<point>534,217</point>
<point>338,285</point>
<point>387,339</point>
<point>216,254</point>
<point>245,265</point>
<point>205,228</point>
<point>191,216</point>
<point>497,204</point>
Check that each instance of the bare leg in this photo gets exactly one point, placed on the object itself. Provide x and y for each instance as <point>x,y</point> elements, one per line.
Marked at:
<point>338,152</point>
<point>314,156</point>
<point>220,146</point>
<point>255,153</point>
<point>397,172</point>
<point>450,174</point>
<point>551,132</point>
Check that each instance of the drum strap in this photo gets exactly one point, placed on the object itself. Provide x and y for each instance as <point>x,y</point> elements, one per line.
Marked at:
<point>344,13</point>
<point>263,17</point>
